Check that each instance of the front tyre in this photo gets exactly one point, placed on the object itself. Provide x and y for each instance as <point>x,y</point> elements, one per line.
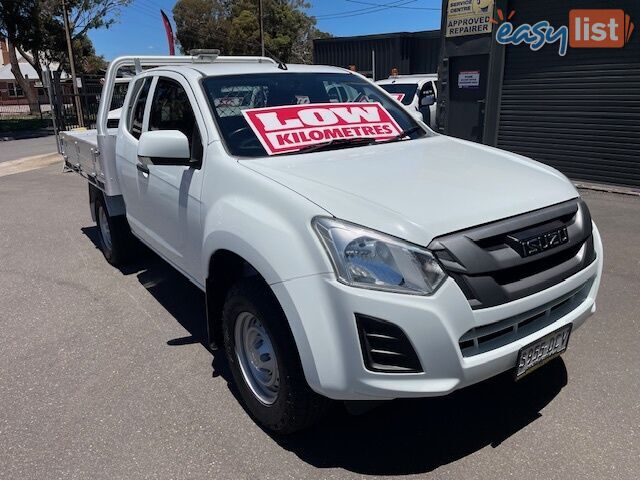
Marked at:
<point>264,361</point>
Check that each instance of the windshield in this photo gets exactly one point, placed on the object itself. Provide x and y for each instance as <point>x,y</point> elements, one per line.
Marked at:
<point>403,92</point>
<point>353,107</point>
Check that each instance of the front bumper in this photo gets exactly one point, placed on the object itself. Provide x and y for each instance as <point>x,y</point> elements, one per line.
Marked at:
<point>321,312</point>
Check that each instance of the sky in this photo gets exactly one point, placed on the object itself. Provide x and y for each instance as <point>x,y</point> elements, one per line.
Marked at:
<point>139,30</point>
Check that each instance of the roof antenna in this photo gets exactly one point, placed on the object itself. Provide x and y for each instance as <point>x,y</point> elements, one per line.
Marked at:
<point>281,64</point>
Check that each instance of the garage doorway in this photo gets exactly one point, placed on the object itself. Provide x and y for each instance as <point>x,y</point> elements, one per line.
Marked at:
<point>468,90</point>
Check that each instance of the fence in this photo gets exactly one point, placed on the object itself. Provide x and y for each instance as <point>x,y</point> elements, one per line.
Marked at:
<point>63,100</point>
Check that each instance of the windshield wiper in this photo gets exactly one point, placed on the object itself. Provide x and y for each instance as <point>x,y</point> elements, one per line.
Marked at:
<point>404,133</point>
<point>335,144</point>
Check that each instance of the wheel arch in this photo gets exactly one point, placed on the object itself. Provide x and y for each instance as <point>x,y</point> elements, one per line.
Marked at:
<point>226,265</point>
<point>228,257</point>
<point>115,204</point>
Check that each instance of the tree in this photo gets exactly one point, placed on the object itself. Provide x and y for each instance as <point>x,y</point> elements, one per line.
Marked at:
<point>87,61</point>
<point>233,27</point>
<point>14,26</point>
<point>35,29</point>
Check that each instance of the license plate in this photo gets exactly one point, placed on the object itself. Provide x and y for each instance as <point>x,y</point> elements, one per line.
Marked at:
<point>541,351</point>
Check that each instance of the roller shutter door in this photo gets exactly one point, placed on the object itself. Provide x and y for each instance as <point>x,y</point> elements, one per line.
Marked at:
<point>579,113</point>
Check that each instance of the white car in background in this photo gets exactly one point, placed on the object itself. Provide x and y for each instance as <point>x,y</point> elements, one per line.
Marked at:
<point>416,92</point>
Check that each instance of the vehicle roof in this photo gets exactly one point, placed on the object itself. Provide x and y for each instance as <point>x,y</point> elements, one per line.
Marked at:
<point>240,68</point>
<point>417,78</point>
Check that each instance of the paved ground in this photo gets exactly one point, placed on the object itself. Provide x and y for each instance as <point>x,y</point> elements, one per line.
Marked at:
<point>102,375</point>
<point>27,147</point>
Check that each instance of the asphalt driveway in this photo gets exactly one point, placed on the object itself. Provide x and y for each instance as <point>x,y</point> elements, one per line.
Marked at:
<point>103,374</point>
<point>26,147</point>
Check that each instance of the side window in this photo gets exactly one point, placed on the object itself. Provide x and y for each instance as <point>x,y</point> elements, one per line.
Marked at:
<point>137,113</point>
<point>171,110</point>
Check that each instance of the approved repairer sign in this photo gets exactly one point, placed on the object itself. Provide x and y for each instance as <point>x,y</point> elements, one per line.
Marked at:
<point>291,127</point>
<point>469,17</point>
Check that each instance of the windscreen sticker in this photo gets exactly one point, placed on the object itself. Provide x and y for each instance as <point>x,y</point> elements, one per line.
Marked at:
<point>398,96</point>
<point>291,127</point>
<point>302,100</point>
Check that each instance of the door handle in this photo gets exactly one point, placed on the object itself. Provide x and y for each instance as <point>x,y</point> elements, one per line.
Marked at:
<point>142,168</point>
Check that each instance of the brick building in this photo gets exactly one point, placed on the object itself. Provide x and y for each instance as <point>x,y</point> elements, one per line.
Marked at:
<point>12,98</point>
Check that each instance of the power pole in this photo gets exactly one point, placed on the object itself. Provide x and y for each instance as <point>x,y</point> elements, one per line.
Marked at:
<point>76,93</point>
<point>261,27</point>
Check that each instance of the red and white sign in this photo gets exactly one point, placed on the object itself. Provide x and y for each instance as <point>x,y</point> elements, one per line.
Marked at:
<point>397,96</point>
<point>291,127</point>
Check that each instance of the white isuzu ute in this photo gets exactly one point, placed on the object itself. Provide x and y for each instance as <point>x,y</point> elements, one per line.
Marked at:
<point>346,250</point>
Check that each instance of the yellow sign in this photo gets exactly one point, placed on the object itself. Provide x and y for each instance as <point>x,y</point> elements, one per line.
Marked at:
<point>469,17</point>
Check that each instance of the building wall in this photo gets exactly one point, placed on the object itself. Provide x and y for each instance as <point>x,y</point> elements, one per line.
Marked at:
<point>579,113</point>
<point>416,52</point>
<point>6,90</point>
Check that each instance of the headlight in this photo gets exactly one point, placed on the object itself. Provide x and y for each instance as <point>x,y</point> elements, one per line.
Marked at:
<point>369,259</point>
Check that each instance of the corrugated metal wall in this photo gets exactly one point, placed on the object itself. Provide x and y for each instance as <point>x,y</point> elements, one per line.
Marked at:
<point>579,113</point>
<point>409,52</point>
<point>423,52</point>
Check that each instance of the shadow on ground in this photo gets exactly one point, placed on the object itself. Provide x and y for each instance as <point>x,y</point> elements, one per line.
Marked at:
<point>419,435</point>
<point>399,437</point>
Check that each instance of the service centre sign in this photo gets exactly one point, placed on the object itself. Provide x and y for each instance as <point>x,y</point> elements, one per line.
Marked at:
<point>291,127</point>
<point>469,17</point>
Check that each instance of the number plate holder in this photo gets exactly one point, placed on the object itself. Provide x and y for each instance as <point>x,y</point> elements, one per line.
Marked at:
<point>539,352</point>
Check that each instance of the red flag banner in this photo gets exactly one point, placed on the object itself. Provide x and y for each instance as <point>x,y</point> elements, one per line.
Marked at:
<point>169,30</point>
<point>291,127</point>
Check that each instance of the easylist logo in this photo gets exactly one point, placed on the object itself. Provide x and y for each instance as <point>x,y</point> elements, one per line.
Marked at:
<point>600,28</point>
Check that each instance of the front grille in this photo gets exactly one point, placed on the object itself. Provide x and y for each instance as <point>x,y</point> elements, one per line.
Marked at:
<point>385,347</point>
<point>489,337</point>
<point>491,266</point>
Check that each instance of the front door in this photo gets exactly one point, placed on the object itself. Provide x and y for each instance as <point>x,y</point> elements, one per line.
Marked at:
<point>134,121</point>
<point>467,93</point>
<point>170,194</point>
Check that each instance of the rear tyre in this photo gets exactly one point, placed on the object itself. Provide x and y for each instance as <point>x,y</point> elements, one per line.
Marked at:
<point>116,241</point>
<point>264,360</point>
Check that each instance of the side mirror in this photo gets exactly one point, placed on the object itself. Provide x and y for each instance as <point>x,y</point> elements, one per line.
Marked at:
<point>427,100</point>
<point>165,147</point>
<point>417,115</point>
